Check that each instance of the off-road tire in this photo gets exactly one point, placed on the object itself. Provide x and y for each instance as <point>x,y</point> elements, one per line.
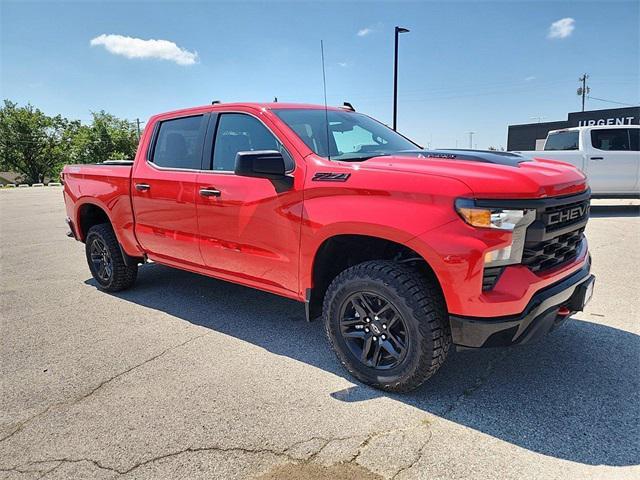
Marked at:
<point>417,298</point>
<point>122,276</point>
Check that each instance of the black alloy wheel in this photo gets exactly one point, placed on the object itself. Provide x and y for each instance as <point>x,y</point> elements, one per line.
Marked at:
<point>101,259</point>
<point>374,330</point>
<point>106,260</point>
<point>387,323</point>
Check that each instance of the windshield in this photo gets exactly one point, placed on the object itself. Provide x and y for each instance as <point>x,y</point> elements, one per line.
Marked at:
<point>352,136</point>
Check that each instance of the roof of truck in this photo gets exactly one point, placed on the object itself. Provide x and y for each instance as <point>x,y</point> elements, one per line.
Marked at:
<point>252,105</point>
<point>276,105</point>
<point>593,127</point>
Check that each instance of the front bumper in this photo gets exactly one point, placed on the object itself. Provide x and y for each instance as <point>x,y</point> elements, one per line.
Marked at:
<point>456,253</point>
<point>546,310</point>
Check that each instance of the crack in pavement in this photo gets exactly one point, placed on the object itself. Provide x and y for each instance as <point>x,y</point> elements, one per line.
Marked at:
<point>286,452</point>
<point>278,453</point>
<point>47,472</point>
<point>60,462</point>
<point>416,460</point>
<point>281,453</point>
<point>96,463</point>
<point>374,436</point>
<point>208,449</point>
<point>25,469</point>
<point>69,403</point>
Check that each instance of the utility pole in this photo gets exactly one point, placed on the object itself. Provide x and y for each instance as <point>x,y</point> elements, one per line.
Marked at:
<point>398,31</point>
<point>583,91</point>
<point>471,139</point>
<point>138,124</point>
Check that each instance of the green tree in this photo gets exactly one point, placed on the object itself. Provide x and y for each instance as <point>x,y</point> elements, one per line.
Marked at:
<point>37,146</point>
<point>107,138</point>
<point>31,143</point>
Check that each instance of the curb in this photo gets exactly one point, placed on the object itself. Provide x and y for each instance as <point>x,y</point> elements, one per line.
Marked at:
<point>26,185</point>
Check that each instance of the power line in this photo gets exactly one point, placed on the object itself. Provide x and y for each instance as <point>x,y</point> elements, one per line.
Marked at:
<point>428,96</point>
<point>609,101</point>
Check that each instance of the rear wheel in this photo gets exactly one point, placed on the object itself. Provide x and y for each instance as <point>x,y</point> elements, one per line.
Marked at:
<point>105,260</point>
<point>387,324</point>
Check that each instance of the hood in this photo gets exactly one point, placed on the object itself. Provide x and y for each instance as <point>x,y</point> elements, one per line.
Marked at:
<point>489,174</point>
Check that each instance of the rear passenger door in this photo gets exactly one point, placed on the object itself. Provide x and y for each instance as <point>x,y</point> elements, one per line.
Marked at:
<point>164,189</point>
<point>613,160</point>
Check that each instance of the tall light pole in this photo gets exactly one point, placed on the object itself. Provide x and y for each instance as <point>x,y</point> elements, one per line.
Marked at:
<point>471,139</point>
<point>398,31</point>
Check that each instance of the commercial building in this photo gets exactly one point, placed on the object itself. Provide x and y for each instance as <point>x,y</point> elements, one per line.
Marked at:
<point>531,136</point>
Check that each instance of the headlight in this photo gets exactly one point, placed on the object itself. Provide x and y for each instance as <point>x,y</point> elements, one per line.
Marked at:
<point>488,217</point>
<point>514,221</point>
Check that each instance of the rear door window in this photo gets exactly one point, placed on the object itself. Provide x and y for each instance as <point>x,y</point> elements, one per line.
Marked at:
<point>179,143</point>
<point>562,141</point>
<point>615,139</point>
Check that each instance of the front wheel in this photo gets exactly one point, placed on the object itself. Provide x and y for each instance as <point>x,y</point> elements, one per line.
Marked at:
<point>387,324</point>
<point>105,260</point>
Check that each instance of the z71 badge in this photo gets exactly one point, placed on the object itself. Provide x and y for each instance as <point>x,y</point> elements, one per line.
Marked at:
<point>330,177</point>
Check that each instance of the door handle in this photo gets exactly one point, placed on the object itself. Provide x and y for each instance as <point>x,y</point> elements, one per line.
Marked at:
<point>143,187</point>
<point>596,158</point>
<point>209,192</point>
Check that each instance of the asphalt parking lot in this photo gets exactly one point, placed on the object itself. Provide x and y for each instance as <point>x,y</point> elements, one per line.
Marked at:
<point>189,377</point>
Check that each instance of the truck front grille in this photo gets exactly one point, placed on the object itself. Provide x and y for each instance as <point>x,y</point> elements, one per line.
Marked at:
<point>554,232</point>
<point>553,252</point>
<point>563,216</point>
<point>555,236</point>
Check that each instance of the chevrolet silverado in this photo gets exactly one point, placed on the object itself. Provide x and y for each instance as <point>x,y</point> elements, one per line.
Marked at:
<point>403,252</point>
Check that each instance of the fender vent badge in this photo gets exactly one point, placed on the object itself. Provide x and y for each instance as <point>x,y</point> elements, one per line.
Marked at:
<point>330,177</point>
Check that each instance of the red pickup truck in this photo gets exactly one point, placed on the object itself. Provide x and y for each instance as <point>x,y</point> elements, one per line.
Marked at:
<point>403,251</point>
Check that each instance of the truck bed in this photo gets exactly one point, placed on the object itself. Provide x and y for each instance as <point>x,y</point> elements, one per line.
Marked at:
<point>106,185</point>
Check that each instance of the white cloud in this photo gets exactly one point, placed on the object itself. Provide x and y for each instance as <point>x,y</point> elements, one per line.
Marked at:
<point>530,79</point>
<point>365,31</point>
<point>562,28</point>
<point>131,47</point>
<point>343,64</point>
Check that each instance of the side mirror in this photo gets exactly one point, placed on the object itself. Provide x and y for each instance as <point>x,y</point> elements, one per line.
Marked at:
<point>261,164</point>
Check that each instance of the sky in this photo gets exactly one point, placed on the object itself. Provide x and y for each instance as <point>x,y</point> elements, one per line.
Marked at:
<point>464,66</point>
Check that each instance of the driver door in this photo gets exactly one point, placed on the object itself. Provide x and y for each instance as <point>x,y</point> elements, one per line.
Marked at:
<point>249,231</point>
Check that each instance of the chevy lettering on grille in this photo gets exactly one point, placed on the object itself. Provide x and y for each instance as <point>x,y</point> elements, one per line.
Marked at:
<point>567,215</point>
